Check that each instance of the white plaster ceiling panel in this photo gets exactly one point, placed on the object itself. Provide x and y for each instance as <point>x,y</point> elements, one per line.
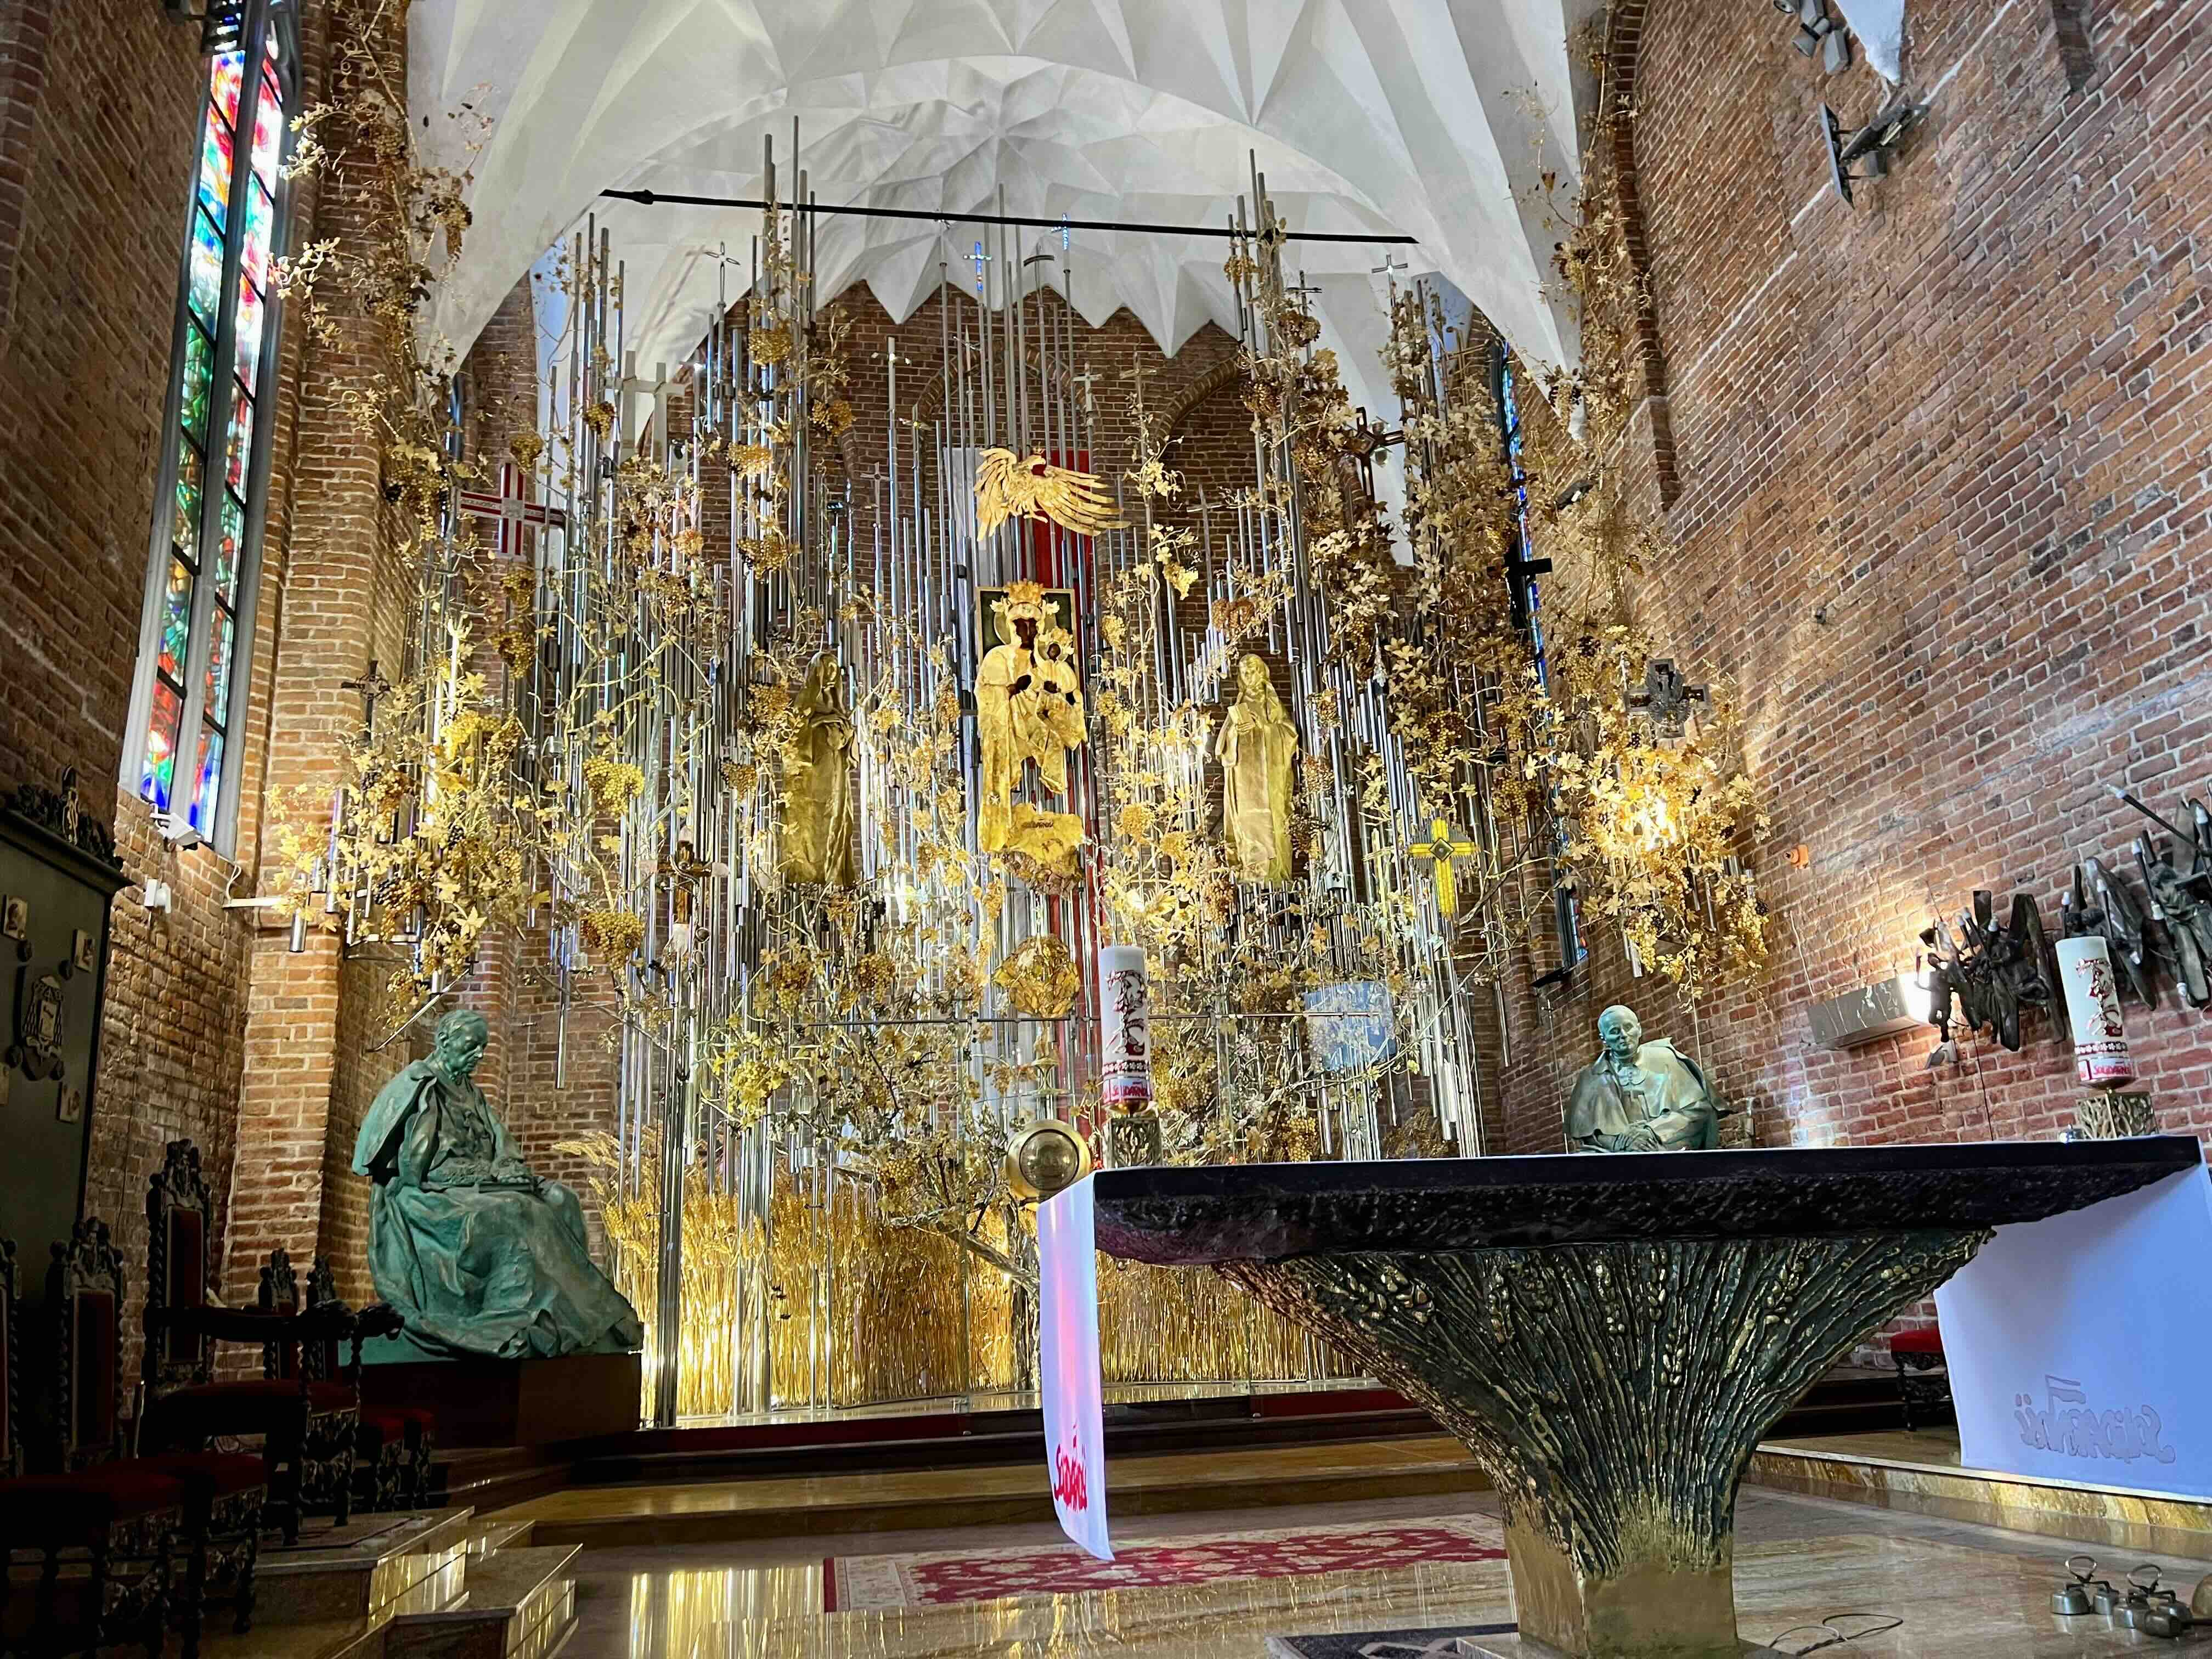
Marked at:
<point>1429,118</point>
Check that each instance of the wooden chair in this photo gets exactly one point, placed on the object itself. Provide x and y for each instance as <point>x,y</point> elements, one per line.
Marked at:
<point>391,1449</point>
<point>401,1436</point>
<point>1924,1379</point>
<point>100,1529</point>
<point>307,1428</point>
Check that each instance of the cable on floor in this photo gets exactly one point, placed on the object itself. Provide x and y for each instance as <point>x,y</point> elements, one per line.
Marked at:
<point>1832,1636</point>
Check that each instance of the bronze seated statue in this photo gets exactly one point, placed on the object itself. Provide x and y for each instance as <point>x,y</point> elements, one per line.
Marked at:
<point>479,1256</point>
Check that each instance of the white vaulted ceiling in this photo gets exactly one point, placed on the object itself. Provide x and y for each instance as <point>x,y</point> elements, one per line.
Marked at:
<point>1430,117</point>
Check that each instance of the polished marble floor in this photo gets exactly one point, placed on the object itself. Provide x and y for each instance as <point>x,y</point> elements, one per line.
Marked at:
<point>1963,1591</point>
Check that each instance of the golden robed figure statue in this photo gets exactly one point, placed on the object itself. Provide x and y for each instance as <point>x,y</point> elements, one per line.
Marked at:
<point>817,781</point>
<point>1638,1097</point>
<point>1028,707</point>
<point>1259,753</point>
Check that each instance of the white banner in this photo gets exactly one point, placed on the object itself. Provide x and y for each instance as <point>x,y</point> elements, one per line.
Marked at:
<point>2079,1347</point>
<point>1074,1396</point>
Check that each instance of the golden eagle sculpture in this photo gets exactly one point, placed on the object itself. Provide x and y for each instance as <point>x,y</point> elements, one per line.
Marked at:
<point>1009,487</point>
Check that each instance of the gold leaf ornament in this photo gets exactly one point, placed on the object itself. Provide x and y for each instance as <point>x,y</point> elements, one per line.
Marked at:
<point>1007,486</point>
<point>1039,978</point>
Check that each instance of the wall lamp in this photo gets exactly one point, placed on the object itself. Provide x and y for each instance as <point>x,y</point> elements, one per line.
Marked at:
<point>223,25</point>
<point>1871,143</point>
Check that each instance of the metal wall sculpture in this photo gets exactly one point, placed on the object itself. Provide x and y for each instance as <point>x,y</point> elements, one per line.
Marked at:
<point>713,736</point>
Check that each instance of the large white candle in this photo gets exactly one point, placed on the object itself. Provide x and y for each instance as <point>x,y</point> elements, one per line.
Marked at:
<point>2092,1006</point>
<point>1125,1046</point>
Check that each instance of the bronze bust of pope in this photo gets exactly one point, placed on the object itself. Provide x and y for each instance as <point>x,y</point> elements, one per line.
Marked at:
<point>1638,1097</point>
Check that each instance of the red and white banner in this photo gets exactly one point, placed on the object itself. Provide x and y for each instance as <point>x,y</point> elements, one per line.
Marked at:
<point>1074,1395</point>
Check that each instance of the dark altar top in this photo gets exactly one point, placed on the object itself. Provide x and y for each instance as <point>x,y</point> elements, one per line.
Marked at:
<point>1269,1212</point>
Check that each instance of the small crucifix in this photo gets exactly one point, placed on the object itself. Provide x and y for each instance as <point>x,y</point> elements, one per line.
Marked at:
<point>1138,376</point>
<point>372,686</point>
<point>1665,697</point>
<point>1388,269</point>
<point>660,389</point>
<point>1441,850</point>
<point>1521,573</point>
<point>510,509</point>
<point>981,260</point>
<point>1087,380</point>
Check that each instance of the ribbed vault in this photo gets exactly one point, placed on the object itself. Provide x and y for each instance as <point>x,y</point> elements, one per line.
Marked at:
<point>1434,118</point>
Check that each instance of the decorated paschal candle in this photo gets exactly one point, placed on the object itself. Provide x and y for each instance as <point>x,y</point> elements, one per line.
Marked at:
<point>1125,1045</point>
<point>2093,1006</point>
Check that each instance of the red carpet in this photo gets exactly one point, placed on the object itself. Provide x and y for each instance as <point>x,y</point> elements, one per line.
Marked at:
<point>859,1583</point>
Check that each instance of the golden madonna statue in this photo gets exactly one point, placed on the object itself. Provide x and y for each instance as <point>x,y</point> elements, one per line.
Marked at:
<point>1258,752</point>
<point>1054,715</point>
<point>817,781</point>
<point>1028,706</point>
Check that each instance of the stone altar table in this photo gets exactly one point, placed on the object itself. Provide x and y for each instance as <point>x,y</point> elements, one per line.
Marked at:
<point>1610,1337</point>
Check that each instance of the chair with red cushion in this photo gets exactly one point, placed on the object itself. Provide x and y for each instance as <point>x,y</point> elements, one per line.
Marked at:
<point>1924,1376</point>
<point>383,1446</point>
<point>99,1530</point>
<point>305,1428</point>
<point>393,1450</point>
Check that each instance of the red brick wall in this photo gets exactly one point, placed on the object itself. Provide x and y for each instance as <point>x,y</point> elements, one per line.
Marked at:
<point>103,99</point>
<point>1943,494</point>
<point>99,100</point>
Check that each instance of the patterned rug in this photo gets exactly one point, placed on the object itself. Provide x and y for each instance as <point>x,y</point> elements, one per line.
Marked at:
<point>860,1582</point>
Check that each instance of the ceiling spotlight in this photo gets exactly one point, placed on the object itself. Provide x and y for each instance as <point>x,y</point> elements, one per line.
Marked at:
<point>1818,34</point>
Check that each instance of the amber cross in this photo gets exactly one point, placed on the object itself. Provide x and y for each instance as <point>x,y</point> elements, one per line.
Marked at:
<point>1441,849</point>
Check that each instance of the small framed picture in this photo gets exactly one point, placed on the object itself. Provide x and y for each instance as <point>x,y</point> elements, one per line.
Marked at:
<point>15,917</point>
<point>84,951</point>
<point>69,1107</point>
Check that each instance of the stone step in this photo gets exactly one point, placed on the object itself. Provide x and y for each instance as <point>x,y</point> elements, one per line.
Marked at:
<point>364,1570</point>
<point>518,1604</point>
<point>330,1635</point>
<point>487,1479</point>
<point>1244,1478</point>
<point>500,1532</point>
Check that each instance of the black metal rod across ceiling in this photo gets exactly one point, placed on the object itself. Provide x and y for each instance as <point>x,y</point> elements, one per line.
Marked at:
<point>654,197</point>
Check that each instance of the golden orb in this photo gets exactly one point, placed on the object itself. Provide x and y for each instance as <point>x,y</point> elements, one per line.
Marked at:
<point>1043,1158</point>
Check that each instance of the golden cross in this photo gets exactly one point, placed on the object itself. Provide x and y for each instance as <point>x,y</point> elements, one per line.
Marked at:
<point>1440,849</point>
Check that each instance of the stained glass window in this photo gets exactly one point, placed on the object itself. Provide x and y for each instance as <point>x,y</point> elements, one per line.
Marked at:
<point>200,586</point>
<point>1527,615</point>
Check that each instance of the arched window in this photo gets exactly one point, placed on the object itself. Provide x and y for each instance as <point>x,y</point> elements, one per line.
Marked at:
<point>181,752</point>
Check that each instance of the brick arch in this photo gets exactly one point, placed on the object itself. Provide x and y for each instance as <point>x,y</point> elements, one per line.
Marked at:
<point>931,400</point>
<point>1226,373</point>
<point>1624,49</point>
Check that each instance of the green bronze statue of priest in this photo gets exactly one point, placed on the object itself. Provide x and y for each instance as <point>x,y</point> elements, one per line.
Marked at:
<point>1638,1097</point>
<point>482,1258</point>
